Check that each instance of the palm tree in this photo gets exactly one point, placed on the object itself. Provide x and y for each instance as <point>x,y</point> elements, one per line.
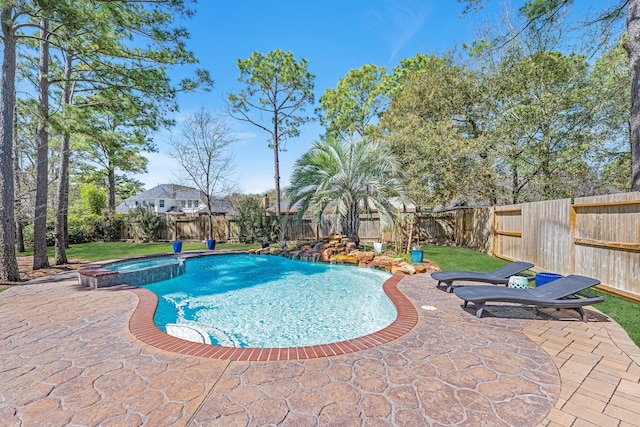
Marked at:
<point>348,176</point>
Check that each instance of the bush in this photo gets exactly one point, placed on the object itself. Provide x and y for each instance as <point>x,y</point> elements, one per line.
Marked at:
<point>111,226</point>
<point>27,234</point>
<point>145,225</point>
<point>84,228</point>
<point>253,225</point>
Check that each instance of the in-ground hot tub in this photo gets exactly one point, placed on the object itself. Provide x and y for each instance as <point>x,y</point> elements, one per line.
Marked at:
<point>136,272</point>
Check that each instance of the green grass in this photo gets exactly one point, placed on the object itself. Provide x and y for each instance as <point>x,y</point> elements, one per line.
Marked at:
<point>454,258</point>
<point>626,313</point>
<point>622,311</point>
<point>100,251</point>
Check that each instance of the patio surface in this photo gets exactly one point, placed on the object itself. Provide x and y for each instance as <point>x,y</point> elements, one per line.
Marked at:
<point>67,357</point>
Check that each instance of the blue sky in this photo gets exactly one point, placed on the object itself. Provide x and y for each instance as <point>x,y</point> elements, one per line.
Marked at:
<point>334,36</point>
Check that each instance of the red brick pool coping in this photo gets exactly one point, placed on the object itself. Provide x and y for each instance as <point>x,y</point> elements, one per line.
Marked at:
<point>143,328</point>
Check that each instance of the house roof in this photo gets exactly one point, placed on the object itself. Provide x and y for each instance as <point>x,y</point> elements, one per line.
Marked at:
<point>220,206</point>
<point>170,191</point>
<point>178,192</point>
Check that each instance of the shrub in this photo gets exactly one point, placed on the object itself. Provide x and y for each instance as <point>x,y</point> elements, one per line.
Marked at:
<point>84,228</point>
<point>145,225</point>
<point>27,234</point>
<point>111,226</point>
<point>253,225</point>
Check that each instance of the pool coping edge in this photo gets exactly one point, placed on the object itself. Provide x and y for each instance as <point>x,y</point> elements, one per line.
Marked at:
<point>143,328</point>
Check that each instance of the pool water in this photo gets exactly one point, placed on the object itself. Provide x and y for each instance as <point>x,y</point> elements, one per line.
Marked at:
<point>267,301</point>
<point>140,264</point>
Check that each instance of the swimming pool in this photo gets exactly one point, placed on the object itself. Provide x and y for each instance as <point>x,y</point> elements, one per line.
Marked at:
<point>264,301</point>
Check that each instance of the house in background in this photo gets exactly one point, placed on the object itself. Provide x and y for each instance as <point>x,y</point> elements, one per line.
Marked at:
<point>178,200</point>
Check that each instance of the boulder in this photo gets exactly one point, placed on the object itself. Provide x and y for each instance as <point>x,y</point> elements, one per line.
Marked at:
<point>344,259</point>
<point>403,269</point>
<point>327,254</point>
<point>363,257</point>
<point>426,267</point>
<point>385,261</point>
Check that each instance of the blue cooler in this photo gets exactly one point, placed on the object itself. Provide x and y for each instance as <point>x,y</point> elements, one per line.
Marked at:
<point>544,278</point>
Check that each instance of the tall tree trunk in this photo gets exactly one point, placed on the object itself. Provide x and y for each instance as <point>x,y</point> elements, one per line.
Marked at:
<point>111,175</point>
<point>16,177</point>
<point>62,207</point>
<point>276,163</point>
<point>8,263</point>
<point>632,46</point>
<point>111,183</point>
<point>40,258</point>
<point>351,223</point>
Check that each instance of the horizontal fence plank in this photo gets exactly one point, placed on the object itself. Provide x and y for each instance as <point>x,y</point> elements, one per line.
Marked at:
<point>635,247</point>
<point>508,233</point>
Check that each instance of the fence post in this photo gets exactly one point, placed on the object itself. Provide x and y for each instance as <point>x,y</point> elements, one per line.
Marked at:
<point>573,219</point>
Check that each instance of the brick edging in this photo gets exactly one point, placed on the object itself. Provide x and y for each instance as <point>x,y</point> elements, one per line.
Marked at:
<point>143,328</point>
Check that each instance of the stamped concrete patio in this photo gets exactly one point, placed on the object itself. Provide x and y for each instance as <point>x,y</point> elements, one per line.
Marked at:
<point>68,358</point>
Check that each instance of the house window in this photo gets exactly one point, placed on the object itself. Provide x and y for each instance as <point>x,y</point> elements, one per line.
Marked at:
<point>189,203</point>
<point>183,203</point>
<point>196,203</point>
<point>136,203</point>
<point>162,203</point>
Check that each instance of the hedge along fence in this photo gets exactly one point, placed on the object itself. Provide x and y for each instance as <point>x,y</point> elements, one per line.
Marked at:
<point>593,236</point>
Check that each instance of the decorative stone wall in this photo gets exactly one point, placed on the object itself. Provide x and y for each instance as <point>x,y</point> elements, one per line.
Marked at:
<point>340,250</point>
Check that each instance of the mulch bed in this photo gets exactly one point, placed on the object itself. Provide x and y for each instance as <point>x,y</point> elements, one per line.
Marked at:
<point>25,266</point>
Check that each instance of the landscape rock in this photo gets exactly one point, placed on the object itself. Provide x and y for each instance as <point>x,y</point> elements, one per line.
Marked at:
<point>344,259</point>
<point>403,269</point>
<point>327,254</point>
<point>339,249</point>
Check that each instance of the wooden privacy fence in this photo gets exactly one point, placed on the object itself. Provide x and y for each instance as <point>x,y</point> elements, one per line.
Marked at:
<point>593,236</point>
<point>427,228</point>
<point>186,228</point>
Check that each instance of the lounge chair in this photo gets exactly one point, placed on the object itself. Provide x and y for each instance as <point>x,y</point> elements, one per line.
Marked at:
<point>566,292</point>
<point>499,276</point>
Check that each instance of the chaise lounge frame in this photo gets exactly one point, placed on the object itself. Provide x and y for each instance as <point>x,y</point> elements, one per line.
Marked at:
<point>499,276</point>
<point>566,292</point>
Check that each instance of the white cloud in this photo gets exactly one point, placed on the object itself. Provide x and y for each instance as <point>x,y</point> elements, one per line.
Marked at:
<point>397,23</point>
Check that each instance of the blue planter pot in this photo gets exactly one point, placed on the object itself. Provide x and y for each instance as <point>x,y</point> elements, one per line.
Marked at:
<point>417,255</point>
<point>177,247</point>
<point>211,244</point>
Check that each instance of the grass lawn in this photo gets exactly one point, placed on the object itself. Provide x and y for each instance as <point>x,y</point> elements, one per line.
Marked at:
<point>100,251</point>
<point>624,312</point>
